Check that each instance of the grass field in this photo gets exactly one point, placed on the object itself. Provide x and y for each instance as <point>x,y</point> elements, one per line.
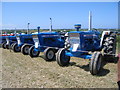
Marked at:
<point>22,71</point>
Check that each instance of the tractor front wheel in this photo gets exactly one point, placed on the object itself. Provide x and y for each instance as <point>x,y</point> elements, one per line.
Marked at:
<point>32,52</point>
<point>49,54</point>
<point>3,45</point>
<point>11,46</point>
<point>25,49</point>
<point>7,46</point>
<point>61,58</point>
<point>95,63</point>
<point>15,48</point>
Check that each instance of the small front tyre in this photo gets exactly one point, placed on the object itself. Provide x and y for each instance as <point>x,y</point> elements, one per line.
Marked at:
<point>7,46</point>
<point>49,54</point>
<point>3,45</point>
<point>32,52</point>
<point>15,48</point>
<point>95,63</point>
<point>25,49</point>
<point>11,46</point>
<point>61,58</point>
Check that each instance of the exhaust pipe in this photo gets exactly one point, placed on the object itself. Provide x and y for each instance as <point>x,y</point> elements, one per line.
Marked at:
<point>15,32</point>
<point>50,24</point>
<point>28,28</point>
<point>38,29</point>
<point>90,21</point>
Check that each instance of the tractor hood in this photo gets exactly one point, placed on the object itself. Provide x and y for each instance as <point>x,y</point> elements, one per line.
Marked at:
<point>84,40</point>
<point>89,32</point>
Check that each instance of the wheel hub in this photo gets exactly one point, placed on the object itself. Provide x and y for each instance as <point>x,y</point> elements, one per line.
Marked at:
<point>26,49</point>
<point>17,48</point>
<point>50,54</point>
<point>34,52</point>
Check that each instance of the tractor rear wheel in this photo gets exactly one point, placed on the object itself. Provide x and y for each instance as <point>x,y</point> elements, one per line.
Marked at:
<point>95,63</point>
<point>109,46</point>
<point>15,48</point>
<point>3,45</point>
<point>32,52</point>
<point>49,54</point>
<point>61,58</point>
<point>25,49</point>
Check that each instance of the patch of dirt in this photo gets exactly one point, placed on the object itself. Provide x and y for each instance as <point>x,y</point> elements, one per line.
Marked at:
<point>22,71</point>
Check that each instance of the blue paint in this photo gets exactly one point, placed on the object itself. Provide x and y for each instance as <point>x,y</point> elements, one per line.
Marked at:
<point>87,40</point>
<point>49,39</point>
<point>11,39</point>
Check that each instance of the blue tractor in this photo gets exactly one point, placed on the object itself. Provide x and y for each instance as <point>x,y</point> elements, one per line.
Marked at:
<point>10,40</point>
<point>3,41</point>
<point>87,45</point>
<point>24,41</point>
<point>47,42</point>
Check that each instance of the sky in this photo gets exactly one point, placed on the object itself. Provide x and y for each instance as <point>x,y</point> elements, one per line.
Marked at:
<point>64,14</point>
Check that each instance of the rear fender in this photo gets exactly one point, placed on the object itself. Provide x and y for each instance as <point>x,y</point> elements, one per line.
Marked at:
<point>103,35</point>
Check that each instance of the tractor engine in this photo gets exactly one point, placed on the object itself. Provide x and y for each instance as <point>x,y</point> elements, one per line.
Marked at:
<point>84,40</point>
<point>26,38</point>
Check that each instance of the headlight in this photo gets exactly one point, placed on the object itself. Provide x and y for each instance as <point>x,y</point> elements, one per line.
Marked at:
<point>36,44</point>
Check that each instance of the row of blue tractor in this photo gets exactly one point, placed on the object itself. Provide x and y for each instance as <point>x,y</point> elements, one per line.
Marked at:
<point>23,43</point>
<point>90,44</point>
<point>2,40</point>
<point>7,41</point>
<point>33,44</point>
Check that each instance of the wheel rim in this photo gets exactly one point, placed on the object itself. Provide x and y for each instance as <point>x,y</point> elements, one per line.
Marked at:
<point>17,48</point>
<point>26,49</point>
<point>50,54</point>
<point>34,53</point>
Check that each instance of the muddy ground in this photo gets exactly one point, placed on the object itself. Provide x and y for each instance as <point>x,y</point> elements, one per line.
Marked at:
<point>22,71</point>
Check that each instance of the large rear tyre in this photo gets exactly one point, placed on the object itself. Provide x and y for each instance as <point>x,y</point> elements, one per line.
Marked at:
<point>109,47</point>
<point>61,58</point>
<point>49,54</point>
<point>3,45</point>
<point>109,44</point>
<point>32,52</point>
<point>25,49</point>
<point>15,48</point>
<point>95,63</point>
